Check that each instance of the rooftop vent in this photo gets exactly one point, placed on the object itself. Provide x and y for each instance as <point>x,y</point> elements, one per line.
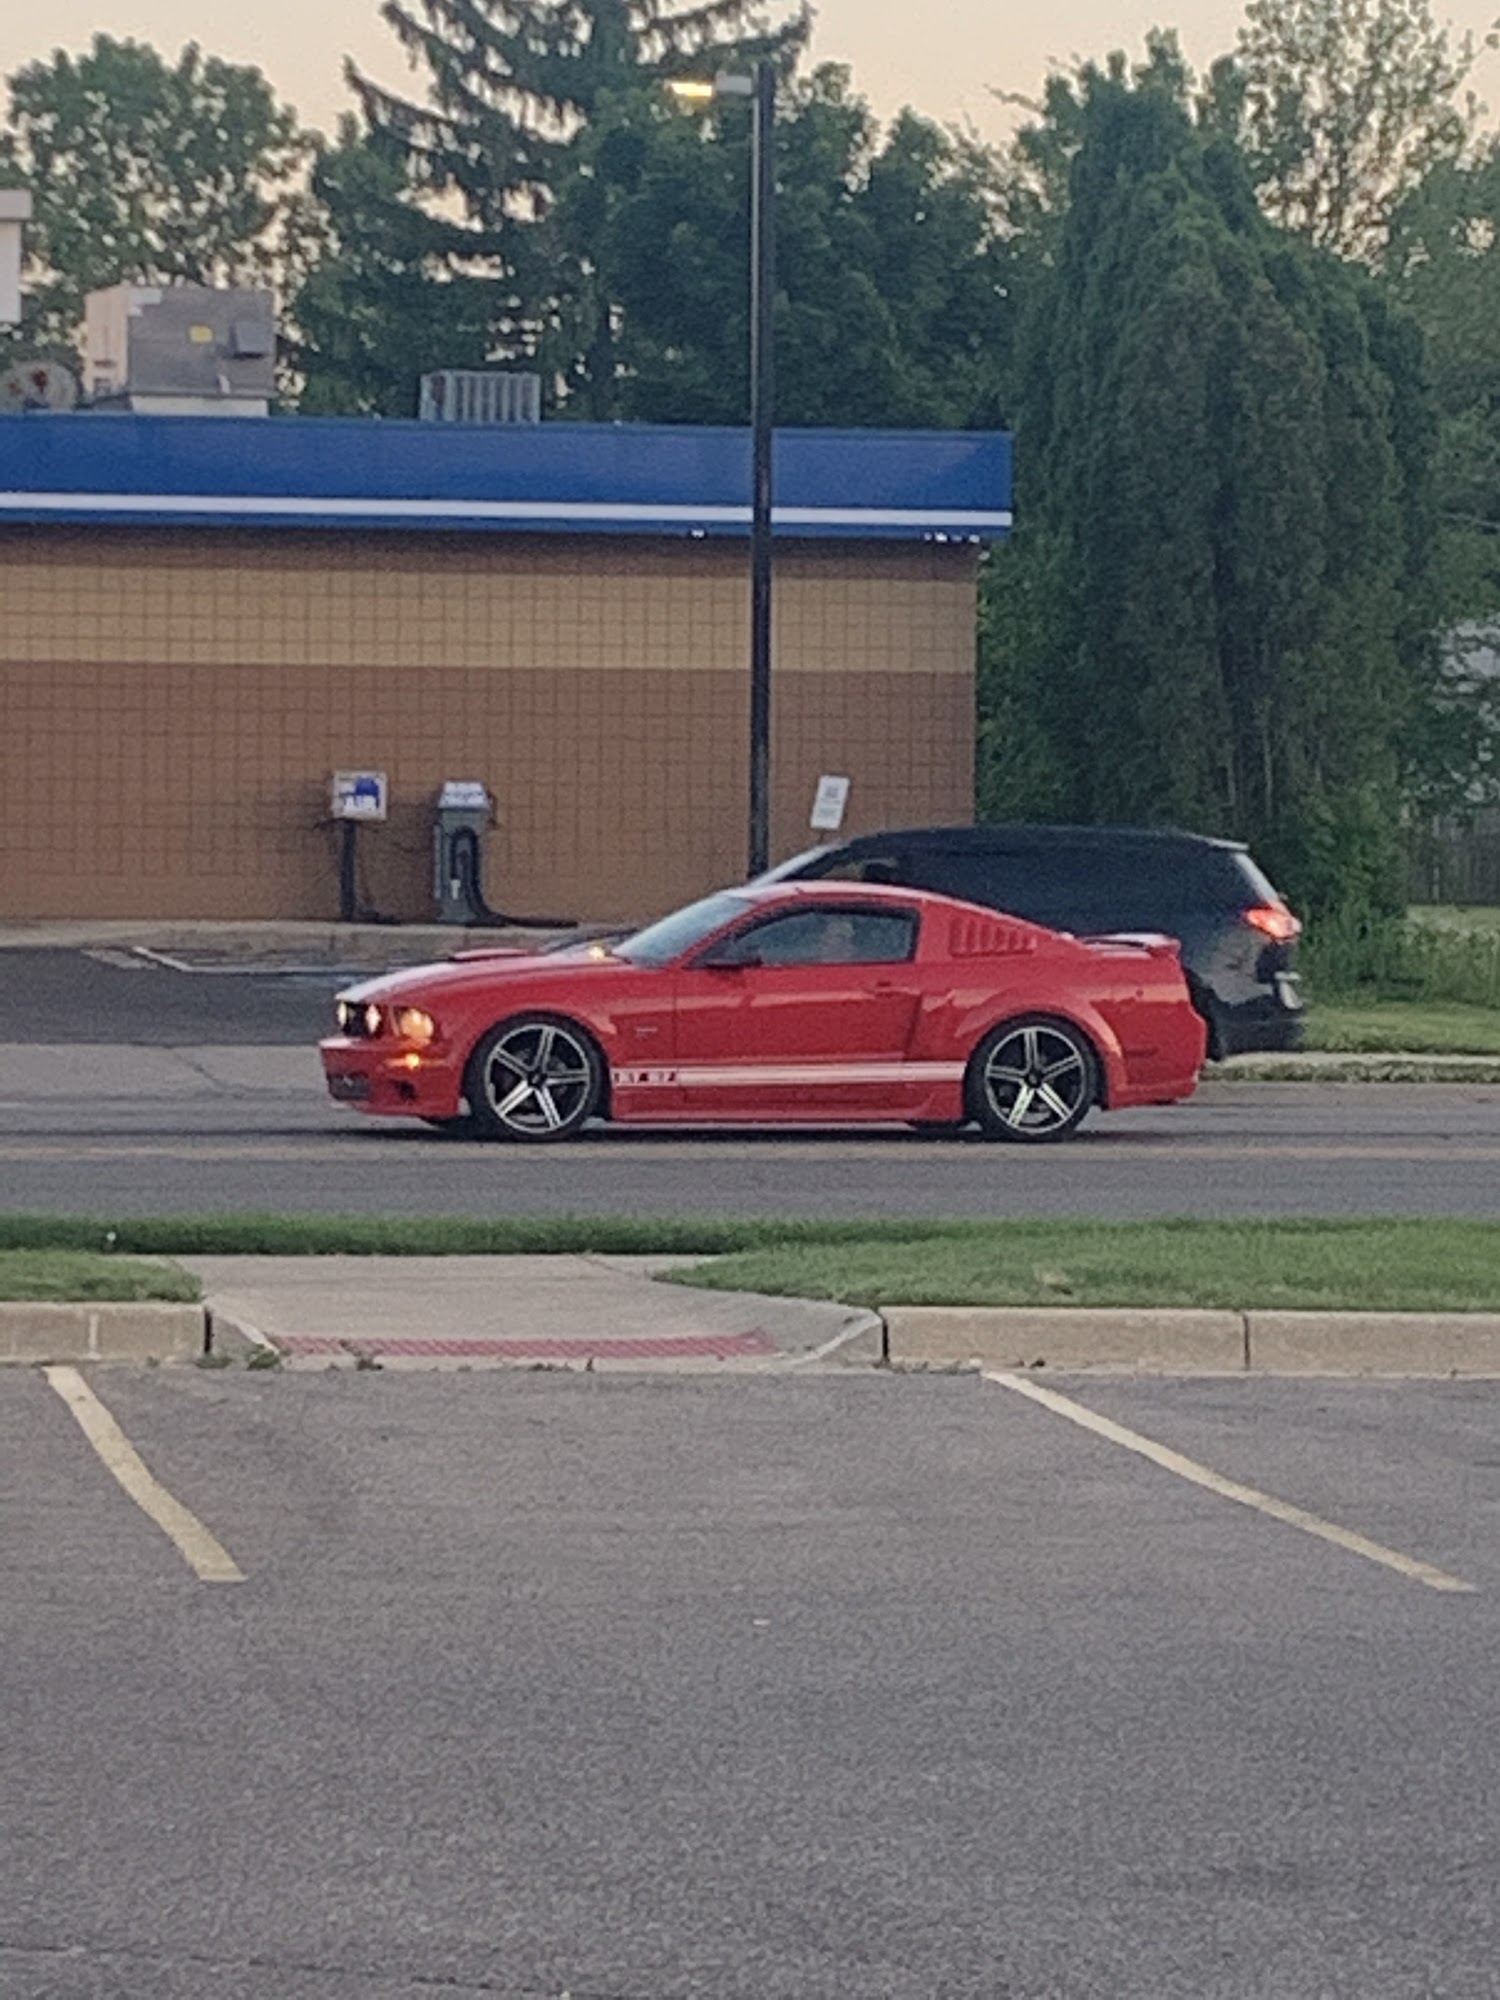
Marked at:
<point>181,349</point>
<point>481,396</point>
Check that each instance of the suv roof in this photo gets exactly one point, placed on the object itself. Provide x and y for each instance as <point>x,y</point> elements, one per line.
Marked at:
<point>1044,834</point>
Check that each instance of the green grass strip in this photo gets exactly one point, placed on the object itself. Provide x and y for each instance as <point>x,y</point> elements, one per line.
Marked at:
<point>89,1277</point>
<point>1385,1266</point>
<point>1414,1265</point>
<point>1412,1027</point>
<point>422,1236</point>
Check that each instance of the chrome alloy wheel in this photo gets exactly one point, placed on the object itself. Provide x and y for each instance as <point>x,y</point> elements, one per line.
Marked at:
<point>1035,1081</point>
<point>536,1079</point>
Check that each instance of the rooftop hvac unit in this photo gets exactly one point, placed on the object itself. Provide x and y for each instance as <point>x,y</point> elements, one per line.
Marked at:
<point>481,396</point>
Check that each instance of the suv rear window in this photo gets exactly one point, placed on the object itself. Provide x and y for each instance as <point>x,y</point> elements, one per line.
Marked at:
<point>1067,886</point>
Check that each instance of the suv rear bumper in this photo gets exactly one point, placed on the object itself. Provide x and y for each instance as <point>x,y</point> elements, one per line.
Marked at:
<point>1260,1026</point>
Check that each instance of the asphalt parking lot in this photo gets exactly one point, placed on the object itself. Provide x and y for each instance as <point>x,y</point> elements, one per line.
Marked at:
<point>835,1686</point>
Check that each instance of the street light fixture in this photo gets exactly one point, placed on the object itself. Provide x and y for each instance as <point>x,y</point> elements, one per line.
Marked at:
<point>760,86</point>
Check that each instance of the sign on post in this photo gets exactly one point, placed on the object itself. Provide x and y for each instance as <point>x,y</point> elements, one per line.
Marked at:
<point>828,806</point>
<point>358,795</point>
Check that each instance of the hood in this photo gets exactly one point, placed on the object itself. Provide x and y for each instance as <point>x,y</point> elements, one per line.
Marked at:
<point>471,969</point>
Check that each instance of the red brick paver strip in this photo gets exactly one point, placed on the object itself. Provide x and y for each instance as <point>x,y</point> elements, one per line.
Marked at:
<point>671,1347</point>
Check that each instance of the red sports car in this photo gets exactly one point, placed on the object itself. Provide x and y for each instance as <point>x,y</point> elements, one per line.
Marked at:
<point>810,1002</point>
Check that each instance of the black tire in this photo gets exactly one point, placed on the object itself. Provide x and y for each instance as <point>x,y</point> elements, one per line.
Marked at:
<point>534,1080</point>
<point>1032,1081</point>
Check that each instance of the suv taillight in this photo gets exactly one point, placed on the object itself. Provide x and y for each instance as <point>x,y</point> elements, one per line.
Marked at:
<point>1275,920</point>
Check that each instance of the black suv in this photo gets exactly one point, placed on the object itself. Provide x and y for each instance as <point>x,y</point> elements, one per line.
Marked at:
<point>1239,939</point>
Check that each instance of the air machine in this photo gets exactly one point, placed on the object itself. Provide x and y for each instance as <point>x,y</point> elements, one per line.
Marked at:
<point>465,811</point>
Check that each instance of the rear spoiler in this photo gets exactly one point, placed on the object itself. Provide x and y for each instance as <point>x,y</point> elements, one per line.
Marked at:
<point>1156,943</point>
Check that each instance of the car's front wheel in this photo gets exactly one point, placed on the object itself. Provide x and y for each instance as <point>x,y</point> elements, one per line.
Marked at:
<point>534,1079</point>
<point>1032,1080</point>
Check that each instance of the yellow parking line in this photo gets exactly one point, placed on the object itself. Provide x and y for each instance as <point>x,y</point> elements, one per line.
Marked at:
<point>1228,1489</point>
<point>203,1555</point>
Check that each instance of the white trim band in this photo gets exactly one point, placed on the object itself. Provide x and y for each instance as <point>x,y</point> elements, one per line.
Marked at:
<point>583,513</point>
<point>783,1076</point>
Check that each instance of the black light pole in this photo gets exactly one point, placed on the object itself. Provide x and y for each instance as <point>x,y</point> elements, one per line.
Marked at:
<point>762,426</point>
<point>760,86</point>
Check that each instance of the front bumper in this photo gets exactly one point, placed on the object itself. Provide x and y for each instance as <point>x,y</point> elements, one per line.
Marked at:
<point>391,1079</point>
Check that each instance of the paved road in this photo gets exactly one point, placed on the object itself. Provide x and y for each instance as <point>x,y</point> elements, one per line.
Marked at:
<point>95,1131</point>
<point>854,1689</point>
<point>169,1092</point>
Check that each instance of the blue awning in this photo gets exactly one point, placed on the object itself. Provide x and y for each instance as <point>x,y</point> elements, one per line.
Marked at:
<point>354,473</point>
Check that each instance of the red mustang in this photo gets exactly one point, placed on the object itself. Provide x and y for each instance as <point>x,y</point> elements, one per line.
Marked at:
<point>806,1002</point>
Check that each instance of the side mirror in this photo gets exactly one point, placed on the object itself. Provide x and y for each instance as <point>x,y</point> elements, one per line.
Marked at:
<point>731,957</point>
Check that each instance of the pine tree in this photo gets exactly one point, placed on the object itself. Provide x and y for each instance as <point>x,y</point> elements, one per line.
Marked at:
<point>1216,611</point>
<point>510,85</point>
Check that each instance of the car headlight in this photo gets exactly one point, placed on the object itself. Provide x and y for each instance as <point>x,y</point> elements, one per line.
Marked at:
<point>413,1025</point>
<point>361,1018</point>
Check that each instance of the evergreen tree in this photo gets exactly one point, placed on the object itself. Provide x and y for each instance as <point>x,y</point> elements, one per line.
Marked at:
<point>511,84</point>
<point>1216,610</point>
<point>379,304</point>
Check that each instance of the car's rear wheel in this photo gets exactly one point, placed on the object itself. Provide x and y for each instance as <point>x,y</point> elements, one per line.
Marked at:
<point>535,1079</point>
<point>1032,1080</point>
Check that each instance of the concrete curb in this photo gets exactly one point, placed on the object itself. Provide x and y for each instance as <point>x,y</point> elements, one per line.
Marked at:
<point>37,1333</point>
<point>1141,1341</point>
<point>246,943</point>
<point>229,1337</point>
<point>1473,1070</point>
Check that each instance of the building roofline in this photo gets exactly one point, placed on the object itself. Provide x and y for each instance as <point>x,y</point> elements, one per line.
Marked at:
<point>363,473</point>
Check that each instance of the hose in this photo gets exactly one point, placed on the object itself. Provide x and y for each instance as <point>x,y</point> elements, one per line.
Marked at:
<point>468,872</point>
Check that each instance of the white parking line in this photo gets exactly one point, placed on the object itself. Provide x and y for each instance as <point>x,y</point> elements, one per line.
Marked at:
<point>1228,1489</point>
<point>203,1555</point>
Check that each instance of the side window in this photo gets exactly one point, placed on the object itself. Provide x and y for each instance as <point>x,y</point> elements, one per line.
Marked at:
<point>886,868</point>
<point>834,937</point>
<point>987,876</point>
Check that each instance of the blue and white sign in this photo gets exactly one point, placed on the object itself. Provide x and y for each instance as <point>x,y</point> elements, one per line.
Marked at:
<point>359,795</point>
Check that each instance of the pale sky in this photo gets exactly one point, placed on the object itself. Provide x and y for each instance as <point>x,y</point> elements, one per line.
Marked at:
<point>943,56</point>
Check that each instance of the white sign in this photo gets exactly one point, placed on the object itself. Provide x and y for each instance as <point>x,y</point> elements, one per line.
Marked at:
<point>464,795</point>
<point>828,806</point>
<point>358,795</point>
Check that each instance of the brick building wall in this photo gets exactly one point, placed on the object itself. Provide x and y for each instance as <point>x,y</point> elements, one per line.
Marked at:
<point>174,703</point>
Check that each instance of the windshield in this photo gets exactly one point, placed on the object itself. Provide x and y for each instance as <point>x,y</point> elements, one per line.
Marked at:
<point>661,942</point>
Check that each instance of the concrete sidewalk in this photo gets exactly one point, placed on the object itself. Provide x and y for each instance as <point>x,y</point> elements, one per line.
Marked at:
<point>100,1071</point>
<point>581,1312</point>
